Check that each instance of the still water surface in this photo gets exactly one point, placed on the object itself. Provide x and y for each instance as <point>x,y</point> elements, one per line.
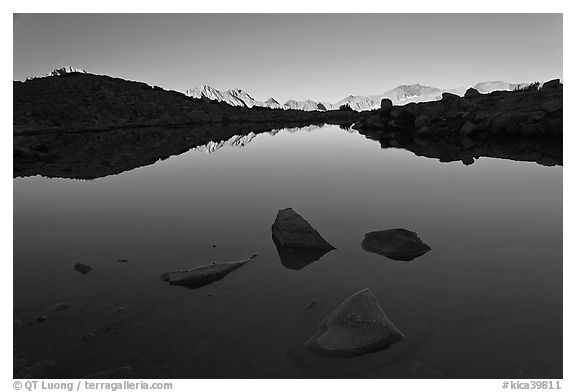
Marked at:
<point>486,301</point>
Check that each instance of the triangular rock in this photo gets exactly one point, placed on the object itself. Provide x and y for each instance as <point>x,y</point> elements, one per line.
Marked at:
<point>358,326</point>
<point>290,230</point>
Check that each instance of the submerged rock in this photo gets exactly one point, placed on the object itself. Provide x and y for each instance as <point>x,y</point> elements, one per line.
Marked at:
<point>358,326</point>
<point>203,275</point>
<point>120,372</point>
<point>312,304</point>
<point>61,306</point>
<point>290,230</point>
<point>396,244</point>
<point>83,268</point>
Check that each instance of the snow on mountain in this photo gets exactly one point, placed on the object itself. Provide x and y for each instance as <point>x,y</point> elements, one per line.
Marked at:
<point>65,70</point>
<point>400,95</point>
<point>498,85</point>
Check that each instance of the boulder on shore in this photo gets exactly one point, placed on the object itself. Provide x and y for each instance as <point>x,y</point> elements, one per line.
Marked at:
<point>290,230</point>
<point>472,93</point>
<point>358,326</point>
<point>203,275</point>
<point>396,244</point>
<point>554,83</point>
<point>386,104</point>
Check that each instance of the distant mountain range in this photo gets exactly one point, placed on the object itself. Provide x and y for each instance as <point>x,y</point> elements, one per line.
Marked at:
<point>400,95</point>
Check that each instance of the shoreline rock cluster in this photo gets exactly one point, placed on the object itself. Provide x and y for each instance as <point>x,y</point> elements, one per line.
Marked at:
<point>522,113</point>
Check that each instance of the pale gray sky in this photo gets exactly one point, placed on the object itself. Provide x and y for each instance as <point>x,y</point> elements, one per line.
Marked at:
<point>319,56</point>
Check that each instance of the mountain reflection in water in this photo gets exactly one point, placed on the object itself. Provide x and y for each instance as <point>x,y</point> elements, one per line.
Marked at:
<point>98,154</point>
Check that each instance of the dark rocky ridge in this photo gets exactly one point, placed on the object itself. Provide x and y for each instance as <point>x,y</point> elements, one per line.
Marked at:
<point>79,102</point>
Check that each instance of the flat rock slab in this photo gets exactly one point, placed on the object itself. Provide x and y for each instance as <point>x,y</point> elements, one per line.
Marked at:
<point>358,326</point>
<point>203,275</point>
<point>290,230</point>
<point>396,244</point>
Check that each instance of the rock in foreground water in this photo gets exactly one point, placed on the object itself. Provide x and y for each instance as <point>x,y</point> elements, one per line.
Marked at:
<point>396,244</point>
<point>83,268</point>
<point>203,275</point>
<point>356,327</point>
<point>290,230</point>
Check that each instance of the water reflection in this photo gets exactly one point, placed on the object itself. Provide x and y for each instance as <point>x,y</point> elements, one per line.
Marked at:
<point>92,155</point>
<point>298,258</point>
<point>490,224</point>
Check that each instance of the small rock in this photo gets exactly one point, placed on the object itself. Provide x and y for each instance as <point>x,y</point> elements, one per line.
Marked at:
<point>311,304</point>
<point>41,318</point>
<point>292,231</point>
<point>386,104</point>
<point>83,268</point>
<point>122,260</point>
<point>213,245</point>
<point>472,93</point>
<point>396,244</point>
<point>120,372</point>
<point>358,326</point>
<point>61,306</point>
<point>468,128</point>
<point>468,161</point>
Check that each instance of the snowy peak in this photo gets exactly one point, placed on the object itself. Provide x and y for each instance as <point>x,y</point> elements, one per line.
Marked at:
<point>498,85</point>
<point>65,70</point>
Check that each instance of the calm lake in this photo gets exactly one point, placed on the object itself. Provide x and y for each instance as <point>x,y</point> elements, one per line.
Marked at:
<point>484,302</point>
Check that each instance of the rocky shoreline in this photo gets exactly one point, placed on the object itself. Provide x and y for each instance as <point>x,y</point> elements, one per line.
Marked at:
<point>533,112</point>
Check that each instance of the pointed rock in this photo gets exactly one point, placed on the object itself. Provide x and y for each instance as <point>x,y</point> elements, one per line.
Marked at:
<point>358,326</point>
<point>396,244</point>
<point>206,274</point>
<point>290,230</point>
